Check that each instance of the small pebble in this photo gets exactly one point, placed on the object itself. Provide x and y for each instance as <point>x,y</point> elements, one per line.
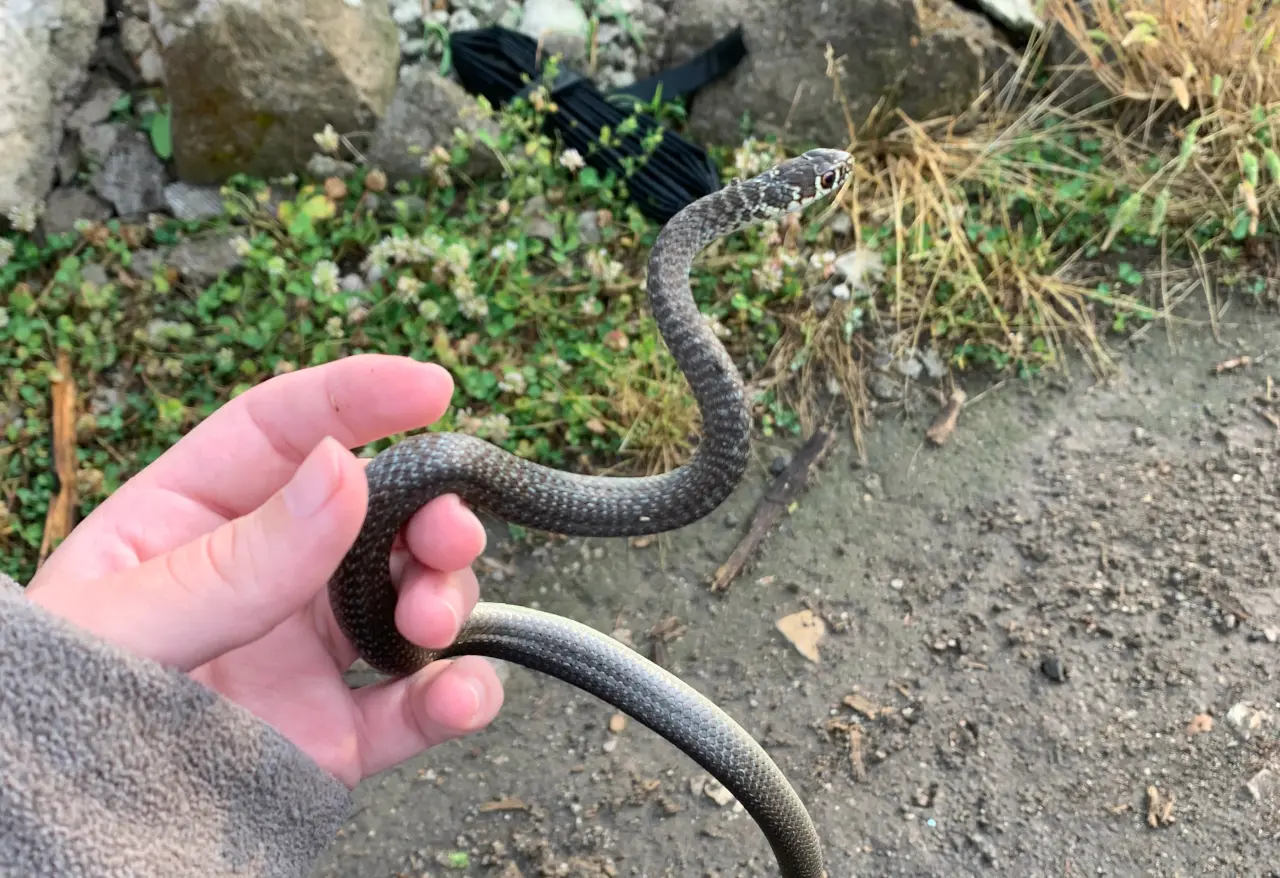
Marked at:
<point>1053,668</point>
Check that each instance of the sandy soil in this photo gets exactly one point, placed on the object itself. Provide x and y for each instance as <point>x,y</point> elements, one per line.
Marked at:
<point>1071,608</point>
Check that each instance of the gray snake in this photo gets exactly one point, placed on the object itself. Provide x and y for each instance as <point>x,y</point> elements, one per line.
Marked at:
<point>407,475</point>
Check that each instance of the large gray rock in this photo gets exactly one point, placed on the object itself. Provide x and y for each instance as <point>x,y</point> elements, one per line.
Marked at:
<point>425,110</point>
<point>926,68</point>
<point>45,46</point>
<point>252,82</point>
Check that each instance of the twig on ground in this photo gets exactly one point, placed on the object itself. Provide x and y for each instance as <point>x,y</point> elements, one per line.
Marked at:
<point>781,494</point>
<point>61,516</point>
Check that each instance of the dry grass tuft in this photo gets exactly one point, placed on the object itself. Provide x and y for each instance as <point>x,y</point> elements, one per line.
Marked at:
<point>1200,82</point>
<point>994,227</point>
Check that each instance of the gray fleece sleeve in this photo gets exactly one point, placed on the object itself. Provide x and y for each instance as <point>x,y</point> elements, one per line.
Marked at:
<point>111,765</point>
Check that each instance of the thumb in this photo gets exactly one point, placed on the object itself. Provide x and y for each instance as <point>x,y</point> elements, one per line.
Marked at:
<point>232,585</point>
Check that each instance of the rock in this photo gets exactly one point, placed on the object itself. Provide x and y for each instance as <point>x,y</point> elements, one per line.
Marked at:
<point>1018,16</point>
<point>68,204</point>
<point>908,365</point>
<point>133,177</point>
<point>321,166</point>
<point>187,202</point>
<point>45,47</point>
<point>1053,668</point>
<point>135,36</point>
<point>934,366</point>
<point>1264,785</point>
<point>251,83</point>
<point>883,387</point>
<point>589,227</point>
<point>886,51</point>
<point>68,161</point>
<point>534,217</point>
<point>151,66</point>
<point>560,25</point>
<point>426,109</point>
<point>139,42</point>
<point>97,142</point>
<point>202,260</point>
<point>100,96</point>
<point>1246,720</point>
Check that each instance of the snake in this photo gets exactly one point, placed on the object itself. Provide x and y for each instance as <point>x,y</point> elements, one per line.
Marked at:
<point>407,475</point>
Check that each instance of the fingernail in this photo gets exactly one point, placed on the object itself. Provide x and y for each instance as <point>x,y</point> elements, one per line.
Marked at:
<point>477,692</point>
<point>313,484</point>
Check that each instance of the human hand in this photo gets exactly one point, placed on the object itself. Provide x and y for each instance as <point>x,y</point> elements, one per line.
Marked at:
<point>215,559</point>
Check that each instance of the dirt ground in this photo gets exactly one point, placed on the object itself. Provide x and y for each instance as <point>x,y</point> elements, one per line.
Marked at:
<point>1051,651</point>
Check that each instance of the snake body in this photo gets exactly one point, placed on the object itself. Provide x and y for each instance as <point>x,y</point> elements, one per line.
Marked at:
<point>409,474</point>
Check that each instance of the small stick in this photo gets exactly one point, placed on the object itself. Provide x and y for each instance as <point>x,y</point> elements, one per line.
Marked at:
<point>775,503</point>
<point>61,516</point>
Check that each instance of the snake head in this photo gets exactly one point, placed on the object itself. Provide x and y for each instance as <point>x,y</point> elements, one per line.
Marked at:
<point>798,182</point>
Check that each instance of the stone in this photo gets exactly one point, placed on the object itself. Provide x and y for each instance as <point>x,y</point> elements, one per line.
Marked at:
<point>133,177</point>
<point>1264,785</point>
<point>884,46</point>
<point>67,204</point>
<point>151,66</point>
<point>251,83</point>
<point>560,25</point>
<point>1018,16</point>
<point>45,47</point>
<point>423,114</point>
<point>190,203</point>
<point>135,36</point>
<point>68,161</point>
<point>203,260</point>
<point>97,141</point>
<point>94,108</point>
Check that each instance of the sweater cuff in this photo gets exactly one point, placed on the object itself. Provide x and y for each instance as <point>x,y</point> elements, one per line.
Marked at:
<point>114,765</point>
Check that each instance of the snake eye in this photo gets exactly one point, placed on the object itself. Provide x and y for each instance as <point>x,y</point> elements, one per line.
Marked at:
<point>828,180</point>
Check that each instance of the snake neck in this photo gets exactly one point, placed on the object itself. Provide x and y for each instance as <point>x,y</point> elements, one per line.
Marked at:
<point>712,376</point>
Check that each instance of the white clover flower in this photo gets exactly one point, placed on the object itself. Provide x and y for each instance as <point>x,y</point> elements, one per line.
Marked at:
<point>327,139</point>
<point>513,382</point>
<point>429,310</point>
<point>474,307</point>
<point>325,277</point>
<point>333,326</point>
<point>572,159</point>
<point>408,288</point>
<point>7,250</point>
<point>23,217</point>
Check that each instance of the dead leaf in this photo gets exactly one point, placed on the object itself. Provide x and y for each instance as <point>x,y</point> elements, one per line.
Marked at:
<point>61,516</point>
<point>945,423</point>
<point>1199,724</point>
<point>805,631</point>
<point>1181,92</point>
<point>1159,808</point>
<point>861,268</point>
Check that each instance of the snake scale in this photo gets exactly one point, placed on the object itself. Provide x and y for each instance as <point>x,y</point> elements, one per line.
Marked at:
<point>407,475</point>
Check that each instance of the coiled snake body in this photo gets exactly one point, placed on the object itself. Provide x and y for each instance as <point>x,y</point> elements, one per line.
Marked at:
<point>409,474</point>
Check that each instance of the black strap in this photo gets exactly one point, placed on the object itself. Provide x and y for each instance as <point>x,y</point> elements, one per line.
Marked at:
<point>502,65</point>
<point>693,75</point>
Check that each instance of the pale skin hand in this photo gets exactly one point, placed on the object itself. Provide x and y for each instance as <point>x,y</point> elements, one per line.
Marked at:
<point>213,561</point>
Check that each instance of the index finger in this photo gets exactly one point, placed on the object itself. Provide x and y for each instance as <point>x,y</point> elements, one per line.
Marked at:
<point>248,449</point>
